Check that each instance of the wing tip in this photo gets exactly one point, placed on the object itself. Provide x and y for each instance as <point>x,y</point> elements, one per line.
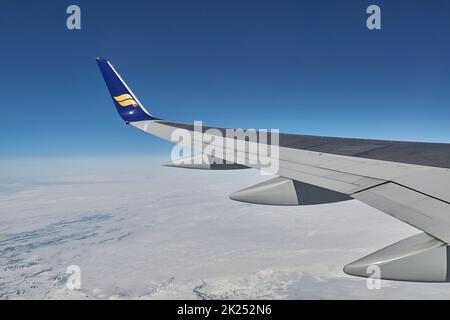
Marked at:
<point>128,106</point>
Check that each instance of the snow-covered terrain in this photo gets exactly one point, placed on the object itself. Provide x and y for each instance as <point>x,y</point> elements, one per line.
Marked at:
<point>139,230</point>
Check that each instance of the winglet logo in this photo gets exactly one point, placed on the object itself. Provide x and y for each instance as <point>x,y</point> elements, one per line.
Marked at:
<point>126,100</point>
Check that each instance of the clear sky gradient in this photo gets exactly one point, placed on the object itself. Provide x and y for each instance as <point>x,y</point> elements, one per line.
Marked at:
<point>300,66</point>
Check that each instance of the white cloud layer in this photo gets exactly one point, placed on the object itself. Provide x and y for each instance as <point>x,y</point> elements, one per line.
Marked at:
<point>138,230</point>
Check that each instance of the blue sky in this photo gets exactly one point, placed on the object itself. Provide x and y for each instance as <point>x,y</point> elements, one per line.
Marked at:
<point>301,66</point>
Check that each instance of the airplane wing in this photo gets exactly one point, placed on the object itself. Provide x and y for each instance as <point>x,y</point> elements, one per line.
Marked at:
<point>407,180</point>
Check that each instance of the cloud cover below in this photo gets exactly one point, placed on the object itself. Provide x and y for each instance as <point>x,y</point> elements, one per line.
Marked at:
<point>138,230</point>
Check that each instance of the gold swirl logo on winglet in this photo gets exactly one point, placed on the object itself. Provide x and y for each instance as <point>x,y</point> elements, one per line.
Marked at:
<point>126,100</point>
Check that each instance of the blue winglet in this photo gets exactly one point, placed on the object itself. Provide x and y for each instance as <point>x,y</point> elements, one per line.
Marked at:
<point>128,106</point>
